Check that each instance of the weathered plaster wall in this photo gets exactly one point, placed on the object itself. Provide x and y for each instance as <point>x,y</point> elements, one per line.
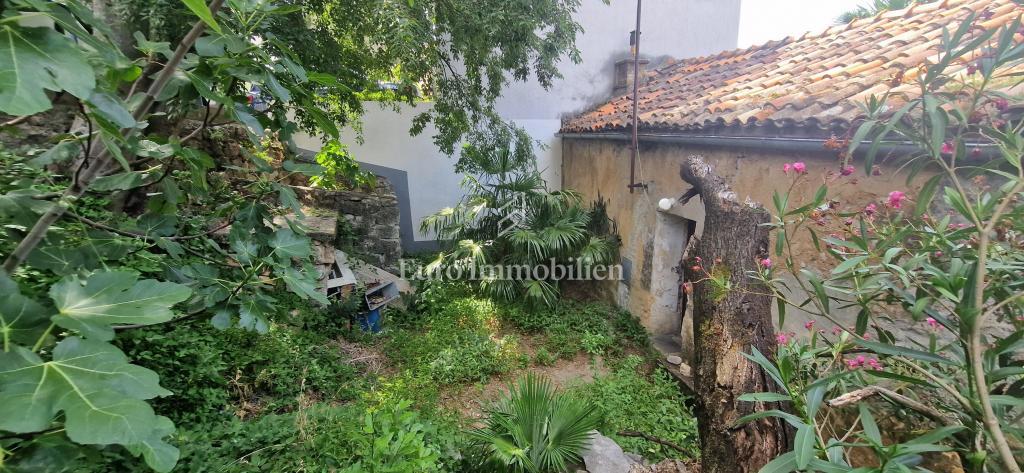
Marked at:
<point>601,167</point>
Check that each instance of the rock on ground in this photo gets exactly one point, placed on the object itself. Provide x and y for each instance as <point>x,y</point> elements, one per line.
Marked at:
<point>603,455</point>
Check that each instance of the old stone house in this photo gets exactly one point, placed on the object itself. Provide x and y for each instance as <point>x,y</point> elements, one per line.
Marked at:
<point>748,112</point>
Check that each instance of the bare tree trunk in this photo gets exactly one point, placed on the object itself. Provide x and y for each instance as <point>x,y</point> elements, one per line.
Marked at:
<point>732,313</point>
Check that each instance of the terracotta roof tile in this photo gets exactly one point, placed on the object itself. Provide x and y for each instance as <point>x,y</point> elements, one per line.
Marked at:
<point>814,80</point>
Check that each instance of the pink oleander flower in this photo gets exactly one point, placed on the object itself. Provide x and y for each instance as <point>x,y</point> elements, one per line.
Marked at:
<point>781,338</point>
<point>870,209</point>
<point>932,322</point>
<point>874,364</point>
<point>809,324</point>
<point>786,168</point>
<point>896,199</point>
<point>846,171</point>
<point>861,359</point>
<point>948,148</point>
<point>766,263</point>
<point>800,168</point>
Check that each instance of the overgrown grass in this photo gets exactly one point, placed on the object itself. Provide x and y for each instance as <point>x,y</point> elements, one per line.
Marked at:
<point>214,373</point>
<point>632,400</point>
<point>452,336</point>
<point>572,327</point>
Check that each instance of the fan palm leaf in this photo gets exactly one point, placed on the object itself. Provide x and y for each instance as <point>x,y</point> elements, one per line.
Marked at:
<point>534,429</point>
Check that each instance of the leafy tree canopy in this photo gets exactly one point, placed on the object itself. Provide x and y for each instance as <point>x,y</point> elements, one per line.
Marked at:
<point>457,53</point>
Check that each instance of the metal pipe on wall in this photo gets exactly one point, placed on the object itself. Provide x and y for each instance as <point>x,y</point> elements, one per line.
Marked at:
<point>636,89</point>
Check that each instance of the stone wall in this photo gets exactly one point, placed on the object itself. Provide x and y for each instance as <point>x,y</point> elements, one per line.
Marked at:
<point>367,221</point>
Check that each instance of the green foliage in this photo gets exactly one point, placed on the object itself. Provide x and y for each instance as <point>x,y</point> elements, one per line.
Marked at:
<point>213,372</point>
<point>319,437</point>
<point>57,371</point>
<point>952,267</point>
<point>454,341</point>
<point>128,192</point>
<point>543,357</point>
<point>458,54</point>
<point>509,218</point>
<point>874,7</point>
<point>605,330</point>
<point>534,429</point>
<point>652,404</point>
<point>595,344</point>
<point>340,170</point>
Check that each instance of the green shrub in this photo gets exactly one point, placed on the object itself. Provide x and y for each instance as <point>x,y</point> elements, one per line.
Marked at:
<point>571,327</point>
<point>652,404</point>
<point>595,343</point>
<point>543,357</point>
<point>212,371</point>
<point>454,340</point>
<point>533,429</point>
<point>393,438</point>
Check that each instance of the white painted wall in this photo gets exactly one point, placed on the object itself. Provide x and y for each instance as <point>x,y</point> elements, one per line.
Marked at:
<point>673,28</point>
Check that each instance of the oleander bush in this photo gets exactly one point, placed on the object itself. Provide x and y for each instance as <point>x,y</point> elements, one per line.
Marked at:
<point>947,260</point>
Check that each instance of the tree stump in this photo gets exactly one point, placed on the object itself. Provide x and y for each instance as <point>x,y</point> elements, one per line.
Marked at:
<point>732,313</point>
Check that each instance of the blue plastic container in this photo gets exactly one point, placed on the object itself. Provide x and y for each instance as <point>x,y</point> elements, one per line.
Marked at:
<point>370,321</point>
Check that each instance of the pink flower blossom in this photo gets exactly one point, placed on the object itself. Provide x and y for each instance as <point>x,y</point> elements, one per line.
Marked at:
<point>860,359</point>
<point>938,254</point>
<point>809,324</point>
<point>786,168</point>
<point>896,199</point>
<point>846,171</point>
<point>766,263</point>
<point>948,148</point>
<point>870,209</point>
<point>932,322</point>
<point>800,167</point>
<point>836,330</point>
<point>781,338</point>
<point>874,364</point>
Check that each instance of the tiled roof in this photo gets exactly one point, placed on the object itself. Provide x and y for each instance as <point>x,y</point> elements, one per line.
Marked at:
<point>813,81</point>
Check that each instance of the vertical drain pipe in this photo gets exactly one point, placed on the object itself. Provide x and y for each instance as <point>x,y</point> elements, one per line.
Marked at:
<point>636,88</point>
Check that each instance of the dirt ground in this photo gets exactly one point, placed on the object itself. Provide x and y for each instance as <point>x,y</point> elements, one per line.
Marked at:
<point>470,401</point>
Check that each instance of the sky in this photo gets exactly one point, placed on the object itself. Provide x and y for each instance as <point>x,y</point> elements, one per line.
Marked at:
<point>765,20</point>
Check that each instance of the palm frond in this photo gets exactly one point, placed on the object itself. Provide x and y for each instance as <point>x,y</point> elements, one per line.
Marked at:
<point>542,292</point>
<point>535,429</point>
